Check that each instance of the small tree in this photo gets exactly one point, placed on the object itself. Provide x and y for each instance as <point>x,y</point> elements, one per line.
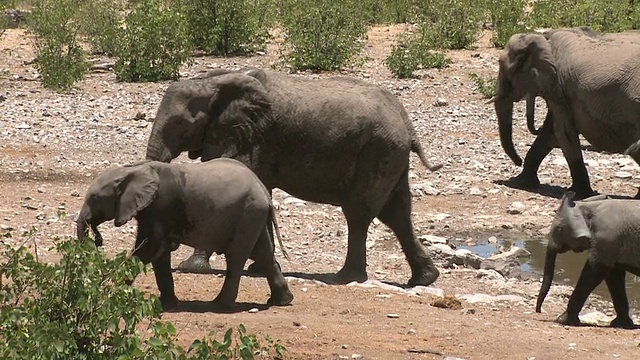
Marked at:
<point>448,24</point>
<point>100,23</point>
<point>322,34</point>
<point>154,43</point>
<point>229,27</point>
<point>508,18</point>
<point>60,58</point>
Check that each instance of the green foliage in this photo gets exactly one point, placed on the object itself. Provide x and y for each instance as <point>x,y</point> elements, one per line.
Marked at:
<point>488,86</point>
<point>60,58</point>
<point>153,44</point>
<point>391,11</point>
<point>100,24</point>
<point>322,34</point>
<point>82,308</point>
<point>508,18</point>
<point>446,24</point>
<point>410,55</point>
<point>600,15</point>
<point>229,27</point>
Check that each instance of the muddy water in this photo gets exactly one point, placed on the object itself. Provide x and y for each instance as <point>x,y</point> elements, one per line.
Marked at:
<point>568,266</point>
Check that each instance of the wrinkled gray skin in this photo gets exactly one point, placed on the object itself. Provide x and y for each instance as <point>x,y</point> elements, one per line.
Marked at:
<point>337,141</point>
<point>218,206</point>
<point>610,230</point>
<point>591,83</point>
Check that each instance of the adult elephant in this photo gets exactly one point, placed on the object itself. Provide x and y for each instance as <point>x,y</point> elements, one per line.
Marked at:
<point>337,141</point>
<point>591,83</point>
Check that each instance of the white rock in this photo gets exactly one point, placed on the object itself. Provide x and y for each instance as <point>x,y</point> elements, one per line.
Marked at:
<point>421,290</point>
<point>596,318</point>
<point>432,239</point>
<point>489,299</point>
<point>623,175</point>
<point>516,208</point>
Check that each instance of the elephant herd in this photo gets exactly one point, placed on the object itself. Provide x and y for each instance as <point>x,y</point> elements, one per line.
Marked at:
<point>346,142</point>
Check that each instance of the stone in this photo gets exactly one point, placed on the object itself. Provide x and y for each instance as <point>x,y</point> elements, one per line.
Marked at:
<point>506,263</point>
<point>490,299</point>
<point>516,208</point>
<point>441,102</point>
<point>596,318</point>
<point>442,249</point>
<point>432,239</point>
<point>422,290</point>
<point>623,175</point>
<point>466,258</point>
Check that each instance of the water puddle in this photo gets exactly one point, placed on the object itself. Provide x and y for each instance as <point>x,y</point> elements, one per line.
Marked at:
<point>568,265</point>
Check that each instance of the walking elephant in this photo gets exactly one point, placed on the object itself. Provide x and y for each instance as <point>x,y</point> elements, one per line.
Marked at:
<point>217,206</point>
<point>338,141</point>
<point>591,83</point>
<point>610,230</point>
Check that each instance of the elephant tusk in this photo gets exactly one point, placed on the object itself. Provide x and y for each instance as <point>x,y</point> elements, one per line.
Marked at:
<point>492,100</point>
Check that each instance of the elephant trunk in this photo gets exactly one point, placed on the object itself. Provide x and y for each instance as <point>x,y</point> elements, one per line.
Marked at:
<point>547,277</point>
<point>531,108</point>
<point>83,222</point>
<point>504,111</point>
<point>157,148</point>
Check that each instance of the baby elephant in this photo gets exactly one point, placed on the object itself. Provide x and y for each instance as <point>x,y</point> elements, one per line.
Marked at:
<point>220,206</point>
<point>610,230</point>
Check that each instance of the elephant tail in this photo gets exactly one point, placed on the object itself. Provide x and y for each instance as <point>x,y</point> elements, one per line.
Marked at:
<point>416,147</point>
<point>276,229</point>
<point>634,151</point>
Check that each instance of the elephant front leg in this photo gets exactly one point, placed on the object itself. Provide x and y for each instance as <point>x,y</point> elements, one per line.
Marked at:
<point>592,275</point>
<point>197,263</point>
<point>615,284</point>
<point>541,147</point>
<point>569,142</point>
<point>164,280</point>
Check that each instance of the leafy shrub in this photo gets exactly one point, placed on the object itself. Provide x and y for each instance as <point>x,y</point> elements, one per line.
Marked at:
<point>100,23</point>
<point>600,15</point>
<point>153,44</point>
<point>322,34</point>
<point>448,24</point>
<point>488,86</point>
<point>81,308</point>
<point>391,11</point>
<point>410,55</point>
<point>508,18</point>
<point>60,58</point>
<point>225,27</point>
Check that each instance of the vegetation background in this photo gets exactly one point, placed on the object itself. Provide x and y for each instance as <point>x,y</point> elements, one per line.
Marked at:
<point>48,310</point>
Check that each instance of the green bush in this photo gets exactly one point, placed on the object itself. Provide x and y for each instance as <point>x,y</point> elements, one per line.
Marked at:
<point>322,34</point>
<point>229,27</point>
<point>410,54</point>
<point>508,18</point>
<point>100,24</point>
<point>81,308</point>
<point>391,11</point>
<point>153,44</point>
<point>448,24</point>
<point>60,58</point>
<point>600,15</point>
<point>488,86</point>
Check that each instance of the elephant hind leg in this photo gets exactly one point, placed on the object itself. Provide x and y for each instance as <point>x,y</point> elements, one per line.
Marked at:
<point>615,284</point>
<point>263,256</point>
<point>355,265</point>
<point>396,214</point>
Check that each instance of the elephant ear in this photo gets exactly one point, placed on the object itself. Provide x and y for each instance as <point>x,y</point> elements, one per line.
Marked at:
<point>136,191</point>
<point>531,55</point>
<point>573,217</point>
<point>240,112</point>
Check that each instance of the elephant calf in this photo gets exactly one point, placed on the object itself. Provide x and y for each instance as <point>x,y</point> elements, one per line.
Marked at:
<point>218,206</point>
<point>610,230</point>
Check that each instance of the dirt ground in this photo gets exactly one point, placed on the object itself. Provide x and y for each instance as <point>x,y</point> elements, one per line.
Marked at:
<point>52,145</point>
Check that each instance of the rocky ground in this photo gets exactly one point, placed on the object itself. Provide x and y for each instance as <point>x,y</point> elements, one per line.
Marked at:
<point>52,145</point>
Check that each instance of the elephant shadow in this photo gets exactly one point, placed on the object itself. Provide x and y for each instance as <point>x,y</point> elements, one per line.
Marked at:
<point>553,191</point>
<point>594,326</point>
<point>199,306</point>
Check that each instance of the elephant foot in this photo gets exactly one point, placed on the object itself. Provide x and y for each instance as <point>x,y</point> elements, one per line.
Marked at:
<point>257,270</point>
<point>565,319</point>
<point>222,305</point>
<point>283,298</point>
<point>524,181</point>
<point>424,278</point>
<point>622,322</point>
<point>345,276</point>
<point>196,264</point>
<point>169,303</point>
